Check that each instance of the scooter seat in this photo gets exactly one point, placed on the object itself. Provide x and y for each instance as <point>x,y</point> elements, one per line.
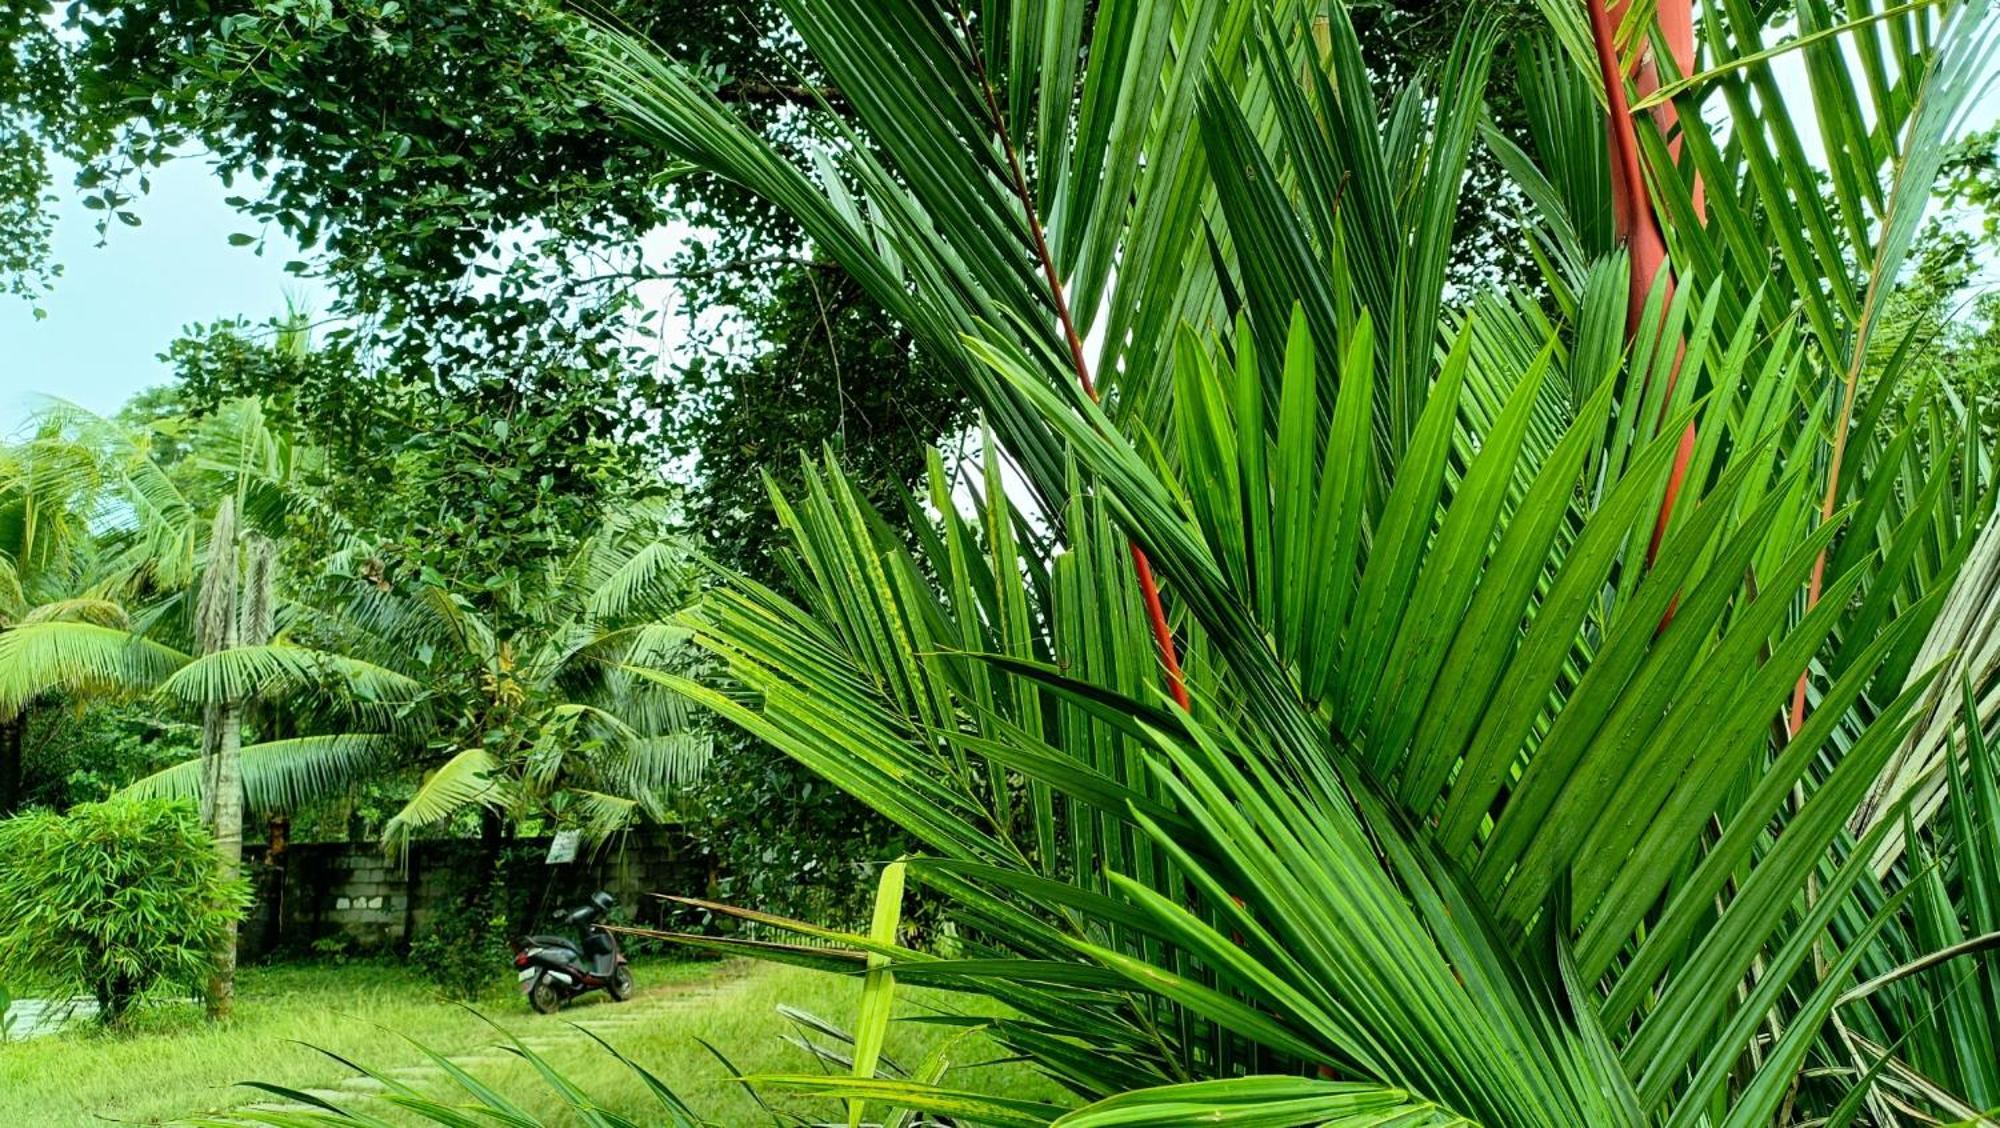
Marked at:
<point>552,942</point>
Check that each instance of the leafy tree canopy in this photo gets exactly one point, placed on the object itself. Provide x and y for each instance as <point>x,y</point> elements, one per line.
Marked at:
<point>483,221</point>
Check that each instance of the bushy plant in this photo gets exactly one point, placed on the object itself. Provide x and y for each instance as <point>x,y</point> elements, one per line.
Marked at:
<point>467,943</point>
<point>118,900</point>
<point>463,952</point>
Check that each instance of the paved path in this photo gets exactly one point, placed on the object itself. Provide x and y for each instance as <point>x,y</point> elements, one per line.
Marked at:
<point>32,1018</point>
<point>604,1018</point>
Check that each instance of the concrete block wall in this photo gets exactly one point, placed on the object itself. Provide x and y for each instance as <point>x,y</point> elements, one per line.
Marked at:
<point>361,896</point>
<point>350,889</point>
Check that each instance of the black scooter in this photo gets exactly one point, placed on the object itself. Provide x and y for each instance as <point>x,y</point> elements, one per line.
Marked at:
<point>556,969</point>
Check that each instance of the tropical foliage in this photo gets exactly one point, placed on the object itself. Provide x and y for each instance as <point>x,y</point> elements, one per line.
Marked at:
<point>1486,797</point>
<point>115,900</point>
<point>1343,687</point>
<point>356,677</point>
<point>541,720</point>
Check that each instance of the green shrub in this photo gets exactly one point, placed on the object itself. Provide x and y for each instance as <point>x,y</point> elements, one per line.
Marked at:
<point>466,946</point>
<point>116,899</point>
<point>336,948</point>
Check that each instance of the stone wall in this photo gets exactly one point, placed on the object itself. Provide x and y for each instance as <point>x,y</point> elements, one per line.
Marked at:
<point>312,891</point>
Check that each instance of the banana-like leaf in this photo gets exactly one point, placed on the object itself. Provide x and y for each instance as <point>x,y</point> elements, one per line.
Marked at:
<point>283,776</point>
<point>77,656</point>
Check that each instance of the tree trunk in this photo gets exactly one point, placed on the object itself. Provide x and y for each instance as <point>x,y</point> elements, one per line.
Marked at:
<point>13,732</point>
<point>222,731</point>
<point>219,623</point>
<point>277,838</point>
<point>114,998</point>
<point>492,839</point>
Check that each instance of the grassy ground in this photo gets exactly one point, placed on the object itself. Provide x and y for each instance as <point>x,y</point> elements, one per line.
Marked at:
<point>173,1065</point>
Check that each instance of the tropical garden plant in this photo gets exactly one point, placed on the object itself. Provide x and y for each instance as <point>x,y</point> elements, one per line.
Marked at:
<point>1534,658</point>
<point>47,502</point>
<point>115,900</point>
<point>541,721</point>
<point>349,676</point>
<point>1375,703</point>
<point>187,606</point>
<point>202,568</point>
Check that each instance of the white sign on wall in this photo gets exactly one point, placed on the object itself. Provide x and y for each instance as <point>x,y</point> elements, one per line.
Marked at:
<point>562,848</point>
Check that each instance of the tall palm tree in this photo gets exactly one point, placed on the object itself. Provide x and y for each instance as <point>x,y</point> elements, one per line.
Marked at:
<point>233,609</point>
<point>380,680</point>
<point>156,524</point>
<point>51,490</point>
<point>541,722</point>
<point>1468,785</point>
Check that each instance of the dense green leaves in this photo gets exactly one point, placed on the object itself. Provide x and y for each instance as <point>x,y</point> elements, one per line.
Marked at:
<point>117,900</point>
<point>360,674</point>
<point>1485,796</point>
<point>1488,806</point>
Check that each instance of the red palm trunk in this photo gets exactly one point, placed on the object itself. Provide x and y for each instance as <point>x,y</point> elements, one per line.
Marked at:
<point>1636,223</point>
<point>1149,588</point>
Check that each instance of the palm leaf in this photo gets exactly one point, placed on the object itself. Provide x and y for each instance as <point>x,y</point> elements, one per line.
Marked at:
<point>244,672</point>
<point>1479,798</point>
<point>470,779</point>
<point>75,656</point>
<point>282,776</point>
<point>1271,1102</point>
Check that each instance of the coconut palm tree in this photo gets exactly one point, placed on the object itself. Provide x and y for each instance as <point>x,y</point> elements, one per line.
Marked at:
<point>379,680</point>
<point>559,729</point>
<point>543,722</point>
<point>155,526</point>
<point>1473,729</point>
<point>51,489</point>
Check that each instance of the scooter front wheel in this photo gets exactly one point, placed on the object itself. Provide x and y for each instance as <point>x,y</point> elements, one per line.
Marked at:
<point>544,996</point>
<point>621,986</point>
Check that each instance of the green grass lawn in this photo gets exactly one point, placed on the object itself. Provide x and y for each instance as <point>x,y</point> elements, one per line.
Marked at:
<point>172,1065</point>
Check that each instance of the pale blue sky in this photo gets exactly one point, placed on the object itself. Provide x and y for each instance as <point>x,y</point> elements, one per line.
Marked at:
<point>116,307</point>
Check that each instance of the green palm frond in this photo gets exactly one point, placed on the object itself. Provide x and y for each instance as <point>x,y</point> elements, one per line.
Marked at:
<point>1823,234</point>
<point>653,768</point>
<point>468,1097</point>
<point>601,816</point>
<point>649,644</point>
<point>983,162</point>
<point>419,625</point>
<point>103,612</point>
<point>283,776</point>
<point>74,656</point>
<point>1964,644</point>
<point>242,673</point>
<point>50,504</point>
<point>469,780</point>
<point>1488,807</point>
<point>12,595</point>
<point>643,583</point>
<point>1272,1102</point>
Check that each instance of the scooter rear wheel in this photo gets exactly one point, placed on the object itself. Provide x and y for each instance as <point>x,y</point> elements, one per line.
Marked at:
<point>621,986</point>
<point>545,997</point>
